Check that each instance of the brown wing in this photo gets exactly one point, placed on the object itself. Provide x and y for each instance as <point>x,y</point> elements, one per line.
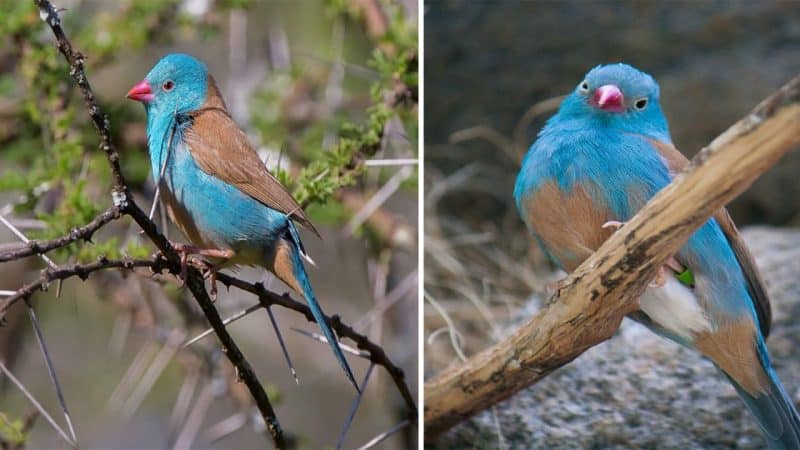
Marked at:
<point>222,149</point>
<point>755,286</point>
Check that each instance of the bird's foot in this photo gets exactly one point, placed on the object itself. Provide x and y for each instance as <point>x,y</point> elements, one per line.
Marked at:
<point>672,265</point>
<point>615,224</point>
<point>553,287</point>
<point>185,250</point>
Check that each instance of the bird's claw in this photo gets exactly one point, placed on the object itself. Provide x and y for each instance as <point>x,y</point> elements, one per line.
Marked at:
<point>211,271</point>
<point>615,224</point>
<point>661,276</point>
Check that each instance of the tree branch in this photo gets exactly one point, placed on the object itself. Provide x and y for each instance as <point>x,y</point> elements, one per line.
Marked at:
<point>168,260</point>
<point>81,233</point>
<point>125,201</point>
<point>376,353</point>
<point>593,300</point>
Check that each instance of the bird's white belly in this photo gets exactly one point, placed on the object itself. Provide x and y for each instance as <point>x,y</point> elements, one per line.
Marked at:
<point>675,308</point>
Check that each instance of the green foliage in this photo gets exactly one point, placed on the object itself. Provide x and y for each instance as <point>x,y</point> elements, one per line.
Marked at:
<point>65,176</point>
<point>51,158</point>
<point>326,170</point>
<point>12,431</point>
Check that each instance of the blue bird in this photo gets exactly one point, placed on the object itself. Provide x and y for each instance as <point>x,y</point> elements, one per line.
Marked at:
<point>215,188</point>
<point>604,154</point>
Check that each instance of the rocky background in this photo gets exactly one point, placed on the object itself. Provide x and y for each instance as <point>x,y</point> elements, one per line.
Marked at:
<point>639,391</point>
<point>486,65</point>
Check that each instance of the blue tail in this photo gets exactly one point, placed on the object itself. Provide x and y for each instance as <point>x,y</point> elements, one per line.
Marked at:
<point>774,410</point>
<point>302,280</point>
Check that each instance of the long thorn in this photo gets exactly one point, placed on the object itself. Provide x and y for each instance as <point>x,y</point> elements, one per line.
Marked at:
<point>321,338</point>
<point>353,408</point>
<point>25,239</point>
<point>36,404</point>
<point>283,345</point>
<point>227,321</point>
<point>51,370</point>
<point>381,437</point>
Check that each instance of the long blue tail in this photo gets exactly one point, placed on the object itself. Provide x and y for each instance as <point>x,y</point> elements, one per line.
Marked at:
<point>300,276</point>
<point>774,409</point>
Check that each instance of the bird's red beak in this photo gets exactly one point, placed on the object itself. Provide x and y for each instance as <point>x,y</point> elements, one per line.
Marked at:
<point>609,98</point>
<point>141,92</point>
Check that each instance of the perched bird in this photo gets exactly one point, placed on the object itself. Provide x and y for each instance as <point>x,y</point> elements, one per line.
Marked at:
<point>216,189</point>
<point>593,166</point>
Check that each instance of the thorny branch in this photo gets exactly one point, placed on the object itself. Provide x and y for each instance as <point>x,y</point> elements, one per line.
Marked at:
<point>168,260</point>
<point>590,304</point>
<point>83,233</point>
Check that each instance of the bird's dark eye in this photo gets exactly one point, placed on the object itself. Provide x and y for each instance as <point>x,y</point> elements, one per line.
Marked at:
<point>640,104</point>
<point>168,85</point>
<point>584,86</point>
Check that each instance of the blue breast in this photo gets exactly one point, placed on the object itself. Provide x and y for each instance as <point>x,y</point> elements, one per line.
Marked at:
<point>619,164</point>
<point>221,213</point>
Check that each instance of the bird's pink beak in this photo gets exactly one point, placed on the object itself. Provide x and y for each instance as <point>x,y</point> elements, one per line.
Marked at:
<point>141,92</point>
<point>609,98</point>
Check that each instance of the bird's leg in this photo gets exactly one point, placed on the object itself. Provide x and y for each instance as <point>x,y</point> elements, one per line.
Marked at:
<point>184,250</point>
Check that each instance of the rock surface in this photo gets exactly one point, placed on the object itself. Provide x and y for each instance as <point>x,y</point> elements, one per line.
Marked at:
<point>639,391</point>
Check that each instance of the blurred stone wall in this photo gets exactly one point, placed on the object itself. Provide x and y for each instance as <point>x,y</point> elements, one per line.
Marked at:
<point>487,62</point>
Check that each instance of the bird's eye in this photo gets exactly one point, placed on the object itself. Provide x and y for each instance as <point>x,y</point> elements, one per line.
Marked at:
<point>640,104</point>
<point>168,85</point>
<point>584,87</point>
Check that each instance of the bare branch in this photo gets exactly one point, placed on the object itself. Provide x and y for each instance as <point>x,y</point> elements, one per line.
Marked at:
<point>592,301</point>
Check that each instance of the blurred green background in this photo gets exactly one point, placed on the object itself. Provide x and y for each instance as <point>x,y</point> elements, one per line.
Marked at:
<point>308,81</point>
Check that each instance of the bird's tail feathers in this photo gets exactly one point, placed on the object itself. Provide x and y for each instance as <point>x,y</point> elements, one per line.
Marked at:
<point>774,409</point>
<point>295,237</point>
<point>288,266</point>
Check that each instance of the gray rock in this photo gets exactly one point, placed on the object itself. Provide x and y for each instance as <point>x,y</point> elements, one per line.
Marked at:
<point>639,391</point>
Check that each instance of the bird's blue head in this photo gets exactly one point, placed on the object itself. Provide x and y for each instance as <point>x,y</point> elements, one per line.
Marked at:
<point>619,96</point>
<point>176,84</point>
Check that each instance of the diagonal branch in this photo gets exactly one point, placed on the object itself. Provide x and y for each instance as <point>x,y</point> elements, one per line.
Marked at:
<point>592,301</point>
<point>125,201</point>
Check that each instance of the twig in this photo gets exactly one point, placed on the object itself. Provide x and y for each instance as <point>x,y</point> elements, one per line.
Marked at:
<point>51,371</point>
<point>383,436</point>
<point>376,353</point>
<point>380,197</point>
<point>25,239</point>
<point>592,301</point>
<point>228,320</point>
<point>391,162</point>
<point>353,408</point>
<point>123,199</point>
<point>36,404</point>
<point>320,338</point>
<point>81,271</point>
<point>83,233</point>
<point>282,344</point>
